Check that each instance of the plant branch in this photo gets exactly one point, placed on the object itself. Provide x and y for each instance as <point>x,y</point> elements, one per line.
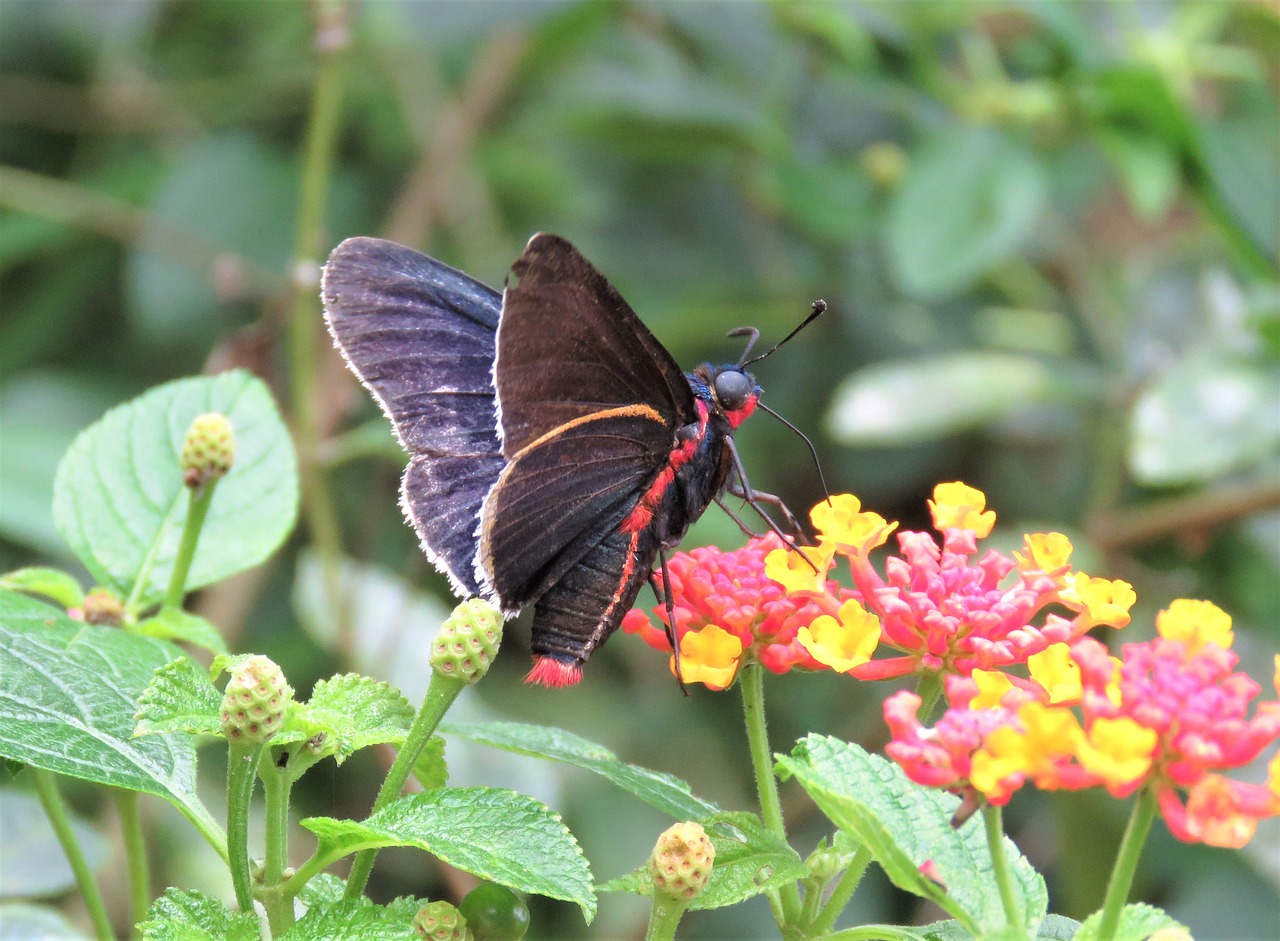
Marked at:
<point>56,810</point>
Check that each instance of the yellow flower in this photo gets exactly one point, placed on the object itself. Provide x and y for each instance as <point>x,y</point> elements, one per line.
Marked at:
<point>1100,600</point>
<point>1054,669</point>
<point>992,685</point>
<point>959,506</point>
<point>709,656</point>
<point>1118,750</point>
<point>841,523</point>
<point>1045,552</point>
<point>790,569</point>
<point>1195,623</point>
<point>845,643</point>
<point>1046,733</point>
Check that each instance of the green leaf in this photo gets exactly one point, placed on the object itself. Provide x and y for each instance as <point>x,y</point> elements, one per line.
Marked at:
<point>194,916</point>
<point>356,920</point>
<point>1137,922</point>
<point>659,790</point>
<point>355,712</point>
<point>179,698</point>
<point>54,584</point>
<point>1243,164</point>
<point>905,825</point>
<point>1205,416</point>
<point>32,863</point>
<point>177,625</point>
<point>1147,167</point>
<point>67,695</point>
<point>493,833</point>
<point>923,399</point>
<point>749,860</point>
<point>120,502</point>
<point>1053,928</point>
<point>971,198</point>
<point>431,770</point>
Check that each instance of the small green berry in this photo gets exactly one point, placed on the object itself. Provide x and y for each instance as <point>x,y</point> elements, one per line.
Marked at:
<point>467,641</point>
<point>255,701</point>
<point>495,913</point>
<point>209,449</point>
<point>681,862</point>
<point>100,606</point>
<point>440,921</point>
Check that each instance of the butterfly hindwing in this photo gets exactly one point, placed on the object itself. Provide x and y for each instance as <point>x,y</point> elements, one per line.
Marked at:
<point>422,337</point>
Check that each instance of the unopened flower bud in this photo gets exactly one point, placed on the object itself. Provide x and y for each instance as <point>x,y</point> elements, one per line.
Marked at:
<point>440,921</point>
<point>467,641</point>
<point>208,450</point>
<point>681,861</point>
<point>102,607</point>
<point>255,701</point>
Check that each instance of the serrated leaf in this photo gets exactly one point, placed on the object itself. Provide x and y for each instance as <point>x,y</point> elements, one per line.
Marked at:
<point>32,862</point>
<point>749,860</point>
<point>120,502</point>
<point>177,625</point>
<point>67,700</point>
<point>194,916</point>
<point>1137,921</point>
<point>431,770</point>
<point>923,399</point>
<point>659,790</point>
<point>179,698</point>
<point>357,711</point>
<point>356,920</point>
<point>1208,415</point>
<point>971,198</point>
<point>54,584</point>
<point>493,833</point>
<point>905,825</point>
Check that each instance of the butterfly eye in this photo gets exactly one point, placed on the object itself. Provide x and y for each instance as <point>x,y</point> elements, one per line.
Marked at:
<point>733,388</point>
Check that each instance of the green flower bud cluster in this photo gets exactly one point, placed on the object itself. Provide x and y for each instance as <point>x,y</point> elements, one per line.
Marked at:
<point>681,862</point>
<point>467,641</point>
<point>209,449</point>
<point>101,606</point>
<point>255,701</point>
<point>440,921</point>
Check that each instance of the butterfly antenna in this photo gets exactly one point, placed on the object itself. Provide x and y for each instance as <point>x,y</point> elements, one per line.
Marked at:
<point>805,438</point>
<point>818,308</point>
<point>751,332</point>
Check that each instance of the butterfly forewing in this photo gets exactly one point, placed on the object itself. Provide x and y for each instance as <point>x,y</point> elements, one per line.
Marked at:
<point>421,336</point>
<point>589,404</point>
<point>569,346</point>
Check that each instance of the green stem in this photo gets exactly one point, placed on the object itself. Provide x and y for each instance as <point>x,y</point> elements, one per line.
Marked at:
<point>56,811</point>
<point>304,326</point>
<point>876,933</point>
<point>197,509</point>
<point>242,766</point>
<point>1135,837</point>
<point>929,689</point>
<point>840,895</point>
<point>135,851</point>
<point>664,917</point>
<point>785,902</point>
<point>992,816</point>
<point>277,785</point>
<point>441,693</point>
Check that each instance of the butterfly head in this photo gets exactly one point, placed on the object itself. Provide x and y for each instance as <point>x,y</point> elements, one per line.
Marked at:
<point>730,391</point>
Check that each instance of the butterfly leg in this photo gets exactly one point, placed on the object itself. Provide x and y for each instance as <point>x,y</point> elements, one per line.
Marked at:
<point>751,533</point>
<point>663,594</point>
<point>754,498</point>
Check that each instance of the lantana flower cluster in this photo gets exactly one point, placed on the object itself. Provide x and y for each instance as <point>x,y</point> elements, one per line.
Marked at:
<point>1028,695</point>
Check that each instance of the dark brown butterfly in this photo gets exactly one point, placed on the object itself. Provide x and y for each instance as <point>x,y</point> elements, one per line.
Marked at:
<point>557,450</point>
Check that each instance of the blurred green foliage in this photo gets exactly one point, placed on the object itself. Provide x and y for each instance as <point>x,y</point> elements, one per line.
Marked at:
<point>1048,233</point>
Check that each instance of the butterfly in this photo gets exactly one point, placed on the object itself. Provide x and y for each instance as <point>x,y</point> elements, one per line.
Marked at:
<point>556,449</point>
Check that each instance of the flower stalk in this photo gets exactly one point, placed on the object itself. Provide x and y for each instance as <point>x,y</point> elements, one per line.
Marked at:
<point>1126,864</point>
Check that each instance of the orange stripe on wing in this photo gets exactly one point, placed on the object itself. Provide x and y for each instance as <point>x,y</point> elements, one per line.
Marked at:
<point>621,411</point>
